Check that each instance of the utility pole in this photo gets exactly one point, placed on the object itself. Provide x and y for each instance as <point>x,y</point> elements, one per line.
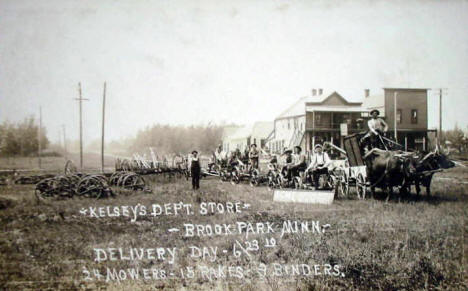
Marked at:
<point>103,123</point>
<point>395,115</point>
<point>440,114</point>
<point>39,139</point>
<point>80,99</point>
<point>64,141</point>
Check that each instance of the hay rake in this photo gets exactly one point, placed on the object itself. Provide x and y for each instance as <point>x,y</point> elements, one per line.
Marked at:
<point>128,180</point>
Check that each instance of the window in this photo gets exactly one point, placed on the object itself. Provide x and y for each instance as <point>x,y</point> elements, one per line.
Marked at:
<point>399,116</point>
<point>414,116</point>
<point>289,124</point>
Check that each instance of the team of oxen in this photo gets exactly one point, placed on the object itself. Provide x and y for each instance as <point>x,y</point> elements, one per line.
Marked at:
<point>387,169</point>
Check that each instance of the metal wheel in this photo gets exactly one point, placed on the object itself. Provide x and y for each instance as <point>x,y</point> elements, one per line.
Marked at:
<point>343,185</point>
<point>254,180</point>
<point>297,181</point>
<point>235,177</point>
<point>361,187</point>
<point>271,183</point>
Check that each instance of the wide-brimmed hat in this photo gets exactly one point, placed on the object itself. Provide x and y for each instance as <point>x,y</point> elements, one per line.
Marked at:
<point>194,152</point>
<point>318,146</point>
<point>254,144</point>
<point>287,151</point>
<point>374,110</point>
<point>300,149</point>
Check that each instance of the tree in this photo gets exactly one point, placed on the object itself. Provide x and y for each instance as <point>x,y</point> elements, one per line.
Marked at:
<point>456,137</point>
<point>21,139</point>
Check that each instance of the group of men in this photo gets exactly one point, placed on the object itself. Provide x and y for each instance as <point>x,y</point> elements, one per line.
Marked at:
<point>294,161</point>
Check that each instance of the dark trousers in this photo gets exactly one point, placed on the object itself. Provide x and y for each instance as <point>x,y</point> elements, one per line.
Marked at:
<point>294,170</point>
<point>195,178</point>
<point>316,175</point>
<point>254,163</point>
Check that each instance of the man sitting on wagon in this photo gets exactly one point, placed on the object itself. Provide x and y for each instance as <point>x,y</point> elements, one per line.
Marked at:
<point>319,164</point>
<point>377,128</point>
<point>298,163</point>
<point>286,161</point>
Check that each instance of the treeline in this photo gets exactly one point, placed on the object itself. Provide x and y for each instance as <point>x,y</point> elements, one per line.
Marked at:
<point>21,138</point>
<point>167,139</point>
<point>456,138</point>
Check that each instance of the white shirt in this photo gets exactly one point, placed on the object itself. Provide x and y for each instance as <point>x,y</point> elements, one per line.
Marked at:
<point>220,155</point>
<point>377,124</point>
<point>319,159</point>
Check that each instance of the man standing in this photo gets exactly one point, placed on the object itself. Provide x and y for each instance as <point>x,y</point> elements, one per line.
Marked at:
<point>195,170</point>
<point>319,164</point>
<point>253,156</point>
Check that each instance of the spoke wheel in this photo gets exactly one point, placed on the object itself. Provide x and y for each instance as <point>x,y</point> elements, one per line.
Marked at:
<point>361,187</point>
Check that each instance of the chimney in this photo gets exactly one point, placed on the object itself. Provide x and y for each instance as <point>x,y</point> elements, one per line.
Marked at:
<point>320,91</point>
<point>366,93</point>
<point>314,92</point>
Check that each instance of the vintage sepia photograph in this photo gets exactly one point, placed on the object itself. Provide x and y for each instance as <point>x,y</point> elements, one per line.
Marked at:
<point>234,145</point>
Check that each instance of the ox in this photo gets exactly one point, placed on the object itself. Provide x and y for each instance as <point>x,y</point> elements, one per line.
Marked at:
<point>387,169</point>
<point>425,165</point>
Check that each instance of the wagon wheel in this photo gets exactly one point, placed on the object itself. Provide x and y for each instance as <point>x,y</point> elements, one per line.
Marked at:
<point>361,187</point>
<point>91,187</point>
<point>271,182</point>
<point>222,176</point>
<point>134,182</point>
<point>297,183</point>
<point>235,177</point>
<point>114,178</point>
<point>43,189</point>
<point>343,185</point>
<point>254,180</point>
<point>280,182</point>
<point>330,182</point>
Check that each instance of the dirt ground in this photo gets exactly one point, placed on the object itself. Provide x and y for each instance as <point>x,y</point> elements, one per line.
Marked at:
<point>412,243</point>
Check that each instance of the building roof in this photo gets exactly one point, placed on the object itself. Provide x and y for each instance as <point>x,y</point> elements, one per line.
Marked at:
<point>299,107</point>
<point>374,102</point>
<point>407,89</point>
<point>262,129</point>
<point>335,109</point>
<point>242,132</point>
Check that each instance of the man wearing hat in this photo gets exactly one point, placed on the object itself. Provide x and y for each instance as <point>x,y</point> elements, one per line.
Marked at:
<point>377,126</point>
<point>253,156</point>
<point>298,163</point>
<point>319,164</point>
<point>195,170</point>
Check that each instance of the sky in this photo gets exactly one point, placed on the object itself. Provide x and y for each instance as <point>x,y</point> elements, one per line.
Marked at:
<point>195,62</point>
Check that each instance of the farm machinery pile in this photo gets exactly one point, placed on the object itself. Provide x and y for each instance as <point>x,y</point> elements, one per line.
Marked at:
<point>75,184</point>
<point>175,166</point>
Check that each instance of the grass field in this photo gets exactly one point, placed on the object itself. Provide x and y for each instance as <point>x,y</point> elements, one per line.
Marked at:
<point>411,244</point>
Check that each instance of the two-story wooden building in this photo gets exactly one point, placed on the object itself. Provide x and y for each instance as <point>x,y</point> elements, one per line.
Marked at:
<point>410,117</point>
<point>315,119</point>
<point>330,116</point>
